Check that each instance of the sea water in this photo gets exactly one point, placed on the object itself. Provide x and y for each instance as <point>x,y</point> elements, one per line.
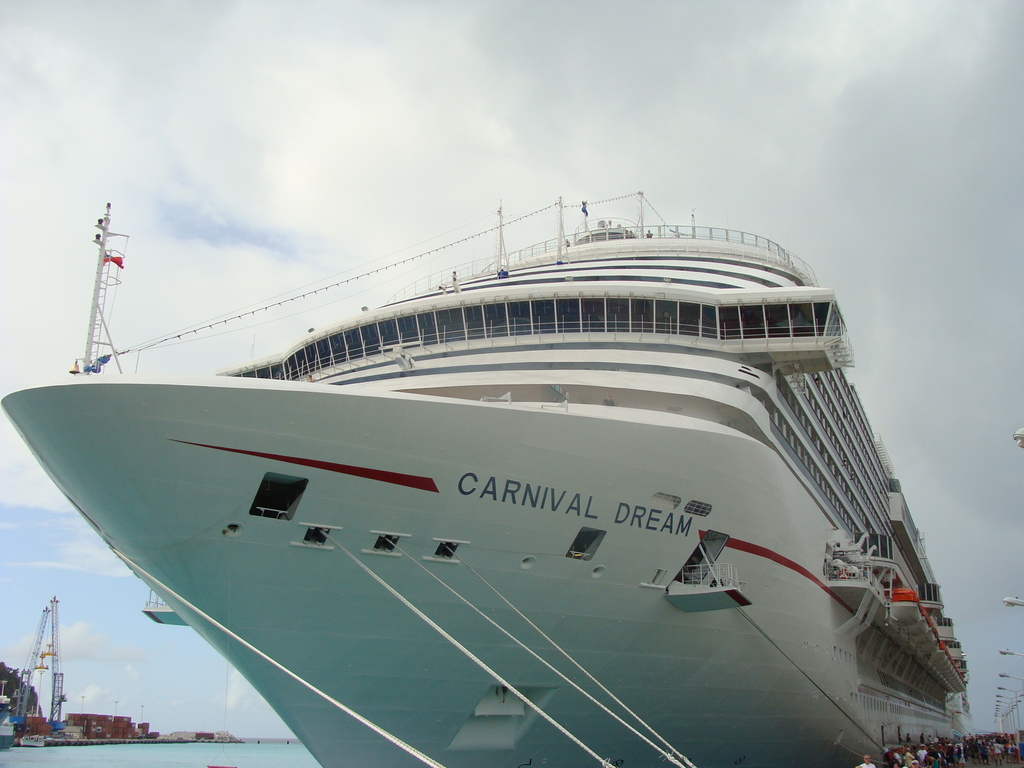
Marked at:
<point>249,755</point>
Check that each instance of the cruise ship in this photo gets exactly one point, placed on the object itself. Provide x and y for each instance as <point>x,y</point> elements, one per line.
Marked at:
<point>606,500</point>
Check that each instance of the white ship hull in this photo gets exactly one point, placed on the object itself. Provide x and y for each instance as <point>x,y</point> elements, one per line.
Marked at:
<point>650,453</point>
<point>711,683</point>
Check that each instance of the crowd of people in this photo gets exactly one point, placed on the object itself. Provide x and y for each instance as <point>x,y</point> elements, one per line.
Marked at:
<point>992,749</point>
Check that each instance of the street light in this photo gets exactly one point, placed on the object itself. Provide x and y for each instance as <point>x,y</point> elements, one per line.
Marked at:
<point>1018,437</point>
<point>1005,652</point>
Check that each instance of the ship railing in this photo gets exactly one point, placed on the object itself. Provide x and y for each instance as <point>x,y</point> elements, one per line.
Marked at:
<point>762,249</point>
<point>848,572</point>
<point>153,602</point>
<point>713,575</point>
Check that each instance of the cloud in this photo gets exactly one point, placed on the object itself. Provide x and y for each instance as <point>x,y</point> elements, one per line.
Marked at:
<point>79,642</point>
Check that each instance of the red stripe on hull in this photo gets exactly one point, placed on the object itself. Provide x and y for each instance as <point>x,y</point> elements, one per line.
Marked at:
<point>380,475</point>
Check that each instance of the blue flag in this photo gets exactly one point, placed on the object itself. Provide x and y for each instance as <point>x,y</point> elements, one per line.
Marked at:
<point>585,209</point>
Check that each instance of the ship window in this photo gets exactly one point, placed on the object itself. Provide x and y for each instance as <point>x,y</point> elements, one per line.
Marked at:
<point>354,342</point>
<point>709,321</point>
<point>569,315</point>
<point>428,330</point>
<point>544,316</point>
<point>821,316</point>
<point>752,318</point>
<point>249,375</point>
<point>666,316</point>
<point>496,320</point>
<point>323,351</point>
<point>388,331</point>
<point>291,367</point>
<point>689,319</point>
<point>474,321</point>
<point>618,315</point>
<point>729,322</point>
<point>311,358</point>
<point>278,496</point>
<point>449,324</point>
<point>642,315</point>
<point>699,508</point>
<point>300,363</point>
<point>585,544</point>
<point>519,318</point>
<point>407,329</point>
<point>801,319</point>
<point>777,319</point>
<point>338,347</point>
<point>371,341</point>
<point>593,315</point>
<point>277,371</point>
<point>262,373</point>
<point>835,323</point>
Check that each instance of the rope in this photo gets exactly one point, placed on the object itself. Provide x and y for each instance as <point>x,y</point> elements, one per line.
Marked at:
<point>614,199</point>
<point>427,760</point>
<point>547,664</point>
<point>575,663</point>
<point>846,714</point>
<point>177,336</point>
<point>470,655</point>
<point>655,211</point>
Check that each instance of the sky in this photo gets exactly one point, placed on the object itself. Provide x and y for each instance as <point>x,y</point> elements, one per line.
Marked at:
<point>252,149</point>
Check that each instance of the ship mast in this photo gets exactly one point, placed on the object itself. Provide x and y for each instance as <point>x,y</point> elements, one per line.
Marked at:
<point>98,338</point>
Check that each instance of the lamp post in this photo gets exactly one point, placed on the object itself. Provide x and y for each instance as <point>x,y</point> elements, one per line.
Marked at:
<point>1005,652</point>
<point>83,703</point>
<point>1018,437</point>
<point>115,704</point>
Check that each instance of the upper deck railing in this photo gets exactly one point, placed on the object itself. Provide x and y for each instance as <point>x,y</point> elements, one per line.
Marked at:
<point>761,250</point>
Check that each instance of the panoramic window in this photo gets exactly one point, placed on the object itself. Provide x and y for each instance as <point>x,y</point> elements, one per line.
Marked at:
<point>519,318</point>
<point>777,319</point>
<point>729,322</point>
<point>495,320</point>
<point>544,316</point>
<point>752,320</point>
<point>449,324</point>
<point>568,315</point>
<point>618,315</point>
<point>474,321</point>
<point>564,315</point>
<point>709,321</point>
<point>666,316</point>
<point>593,315</point>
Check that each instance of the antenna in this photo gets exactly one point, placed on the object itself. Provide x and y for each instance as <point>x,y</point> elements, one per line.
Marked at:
<point>106,278</point>
<point>561,229</point>
<point>640,196</point>
<point>502,256</point>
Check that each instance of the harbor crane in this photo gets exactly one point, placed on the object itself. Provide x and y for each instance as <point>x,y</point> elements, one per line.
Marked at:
<point>37,662</point>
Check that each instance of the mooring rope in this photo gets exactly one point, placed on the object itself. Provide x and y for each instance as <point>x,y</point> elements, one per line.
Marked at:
<point>470,655</point>
<point>666,755</point>
<point>408,748</point>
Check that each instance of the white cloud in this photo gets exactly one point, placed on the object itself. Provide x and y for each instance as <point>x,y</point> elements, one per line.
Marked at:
<point>80,642</point>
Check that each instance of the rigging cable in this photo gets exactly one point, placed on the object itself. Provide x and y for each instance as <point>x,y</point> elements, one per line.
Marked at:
<point>408,748</point>
<point>369,273</point>
<point>564,677</point>
<point>870,738</point>
<point>469,654</point>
